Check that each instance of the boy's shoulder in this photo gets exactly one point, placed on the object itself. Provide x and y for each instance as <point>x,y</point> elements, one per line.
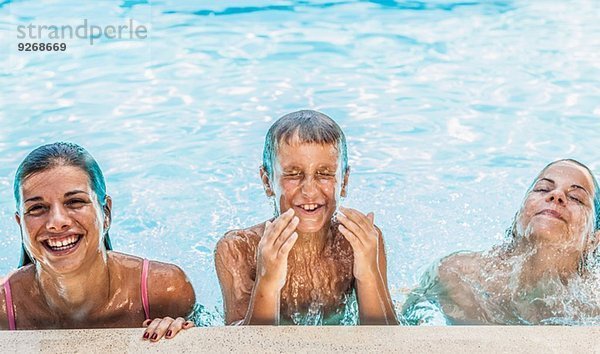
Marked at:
<point>241,239</point>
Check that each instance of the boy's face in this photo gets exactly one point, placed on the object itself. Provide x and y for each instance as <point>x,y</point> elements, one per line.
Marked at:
<point>308,178</point>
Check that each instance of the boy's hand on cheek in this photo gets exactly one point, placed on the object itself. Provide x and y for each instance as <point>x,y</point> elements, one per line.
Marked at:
<point>362,235</point>
<point>273,249</point>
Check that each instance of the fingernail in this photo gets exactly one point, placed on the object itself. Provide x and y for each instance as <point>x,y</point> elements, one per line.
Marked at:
<point>154,336</point>
<point>169,333</point>
<point>146,335</point>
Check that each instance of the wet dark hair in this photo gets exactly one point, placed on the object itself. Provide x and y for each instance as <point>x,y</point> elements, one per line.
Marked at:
<point>310,127</point>
<point>511,232</point>
<point>56,154</point>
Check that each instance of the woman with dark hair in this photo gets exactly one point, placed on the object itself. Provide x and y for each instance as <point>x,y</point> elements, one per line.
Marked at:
<point>542,275</point>
<point>68,275</point>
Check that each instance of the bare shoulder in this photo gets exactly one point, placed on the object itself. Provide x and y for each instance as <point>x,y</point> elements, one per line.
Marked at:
<point>170,292</point>
<point>240,243</point>
<point>3,304</point>
<point>20,282</point>
<point>458,266</point>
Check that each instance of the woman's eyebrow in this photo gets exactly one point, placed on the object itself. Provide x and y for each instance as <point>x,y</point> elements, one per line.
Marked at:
<point>576,186</point>
<point>33,199</point>
<point>68,194</point>
<point>546,179</point>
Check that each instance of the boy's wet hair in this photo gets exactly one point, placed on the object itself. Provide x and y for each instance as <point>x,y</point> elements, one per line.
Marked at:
<point>310,127</point>
<point>57,154</point>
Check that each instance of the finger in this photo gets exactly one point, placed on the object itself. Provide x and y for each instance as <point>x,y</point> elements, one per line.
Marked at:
<point>285,234</point>
<point>161,329</point>
<point>351,237</point>
<point>146,322</point>
<point>188,324</point>
<point>359,219</point>
<point>278,225</point>
<point>352,227</point>
<point>175,327</point>
<point>150,331</point>
<point>286,247</point>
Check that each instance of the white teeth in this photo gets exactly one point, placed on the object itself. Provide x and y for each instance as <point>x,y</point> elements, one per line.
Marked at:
<point>309,207</point>
<point>60,245</point>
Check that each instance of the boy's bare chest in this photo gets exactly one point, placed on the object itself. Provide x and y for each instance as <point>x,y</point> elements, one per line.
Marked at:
<point>316,285</point>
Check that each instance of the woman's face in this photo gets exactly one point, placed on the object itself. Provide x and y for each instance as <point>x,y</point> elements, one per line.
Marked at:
<point>559,209</point>
<point>308,179</point>
<point>60,218</point>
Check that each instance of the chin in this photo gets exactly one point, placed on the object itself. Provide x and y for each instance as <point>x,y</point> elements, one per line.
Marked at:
<point>310,226</point>
<point>549,233</point>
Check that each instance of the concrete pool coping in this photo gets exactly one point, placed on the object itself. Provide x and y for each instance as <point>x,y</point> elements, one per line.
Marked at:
<point>458,339</point>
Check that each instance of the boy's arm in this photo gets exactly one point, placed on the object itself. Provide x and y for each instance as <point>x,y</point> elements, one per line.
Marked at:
<point>234,270</point>
<point>374,301</point>
<point>370,267</point>
<point>252,294</point>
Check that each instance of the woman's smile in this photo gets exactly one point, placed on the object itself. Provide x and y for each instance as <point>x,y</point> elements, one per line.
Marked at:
<point>63,245</point>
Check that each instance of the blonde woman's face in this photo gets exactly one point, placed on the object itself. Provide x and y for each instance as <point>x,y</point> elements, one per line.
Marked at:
<point>559,209</point>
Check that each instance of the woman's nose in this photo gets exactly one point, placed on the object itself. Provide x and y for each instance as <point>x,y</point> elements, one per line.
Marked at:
<point>58,219</point>
<point>556,196</point>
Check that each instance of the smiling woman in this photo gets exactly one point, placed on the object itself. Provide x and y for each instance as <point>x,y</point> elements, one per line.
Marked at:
<point>69,277</point>
<point>542,275</point>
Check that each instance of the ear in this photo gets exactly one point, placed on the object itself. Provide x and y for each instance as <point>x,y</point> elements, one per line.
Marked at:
<point>344,192</point>
<point>107,209</point>
<point>18,218</point>
<point>264,177</point>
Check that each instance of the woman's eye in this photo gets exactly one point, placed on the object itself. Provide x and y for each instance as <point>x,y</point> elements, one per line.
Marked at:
<point>576,199</point>
<point>35,210</point>
<point>542,189</point>
<point>76,203</point>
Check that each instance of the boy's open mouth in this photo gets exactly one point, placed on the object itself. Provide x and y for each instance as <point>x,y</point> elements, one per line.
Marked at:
<point>310,208</point>
<point>62,244</point>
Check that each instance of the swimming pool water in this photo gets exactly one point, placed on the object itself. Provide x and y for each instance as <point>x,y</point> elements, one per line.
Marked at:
<point>450,108</point>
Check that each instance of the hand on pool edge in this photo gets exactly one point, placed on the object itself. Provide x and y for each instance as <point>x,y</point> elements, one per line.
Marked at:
<point>164,327</point>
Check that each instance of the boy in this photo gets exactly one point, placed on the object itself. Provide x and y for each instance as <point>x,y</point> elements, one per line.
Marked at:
<point>301,266</point>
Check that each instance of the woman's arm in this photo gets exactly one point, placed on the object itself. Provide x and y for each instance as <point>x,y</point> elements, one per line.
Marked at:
<point>3,309</point>
<point>171,298</point>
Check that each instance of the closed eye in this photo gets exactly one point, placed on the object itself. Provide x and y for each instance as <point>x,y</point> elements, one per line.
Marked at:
<point>35,210</point>
<point>577,199</point>
<point>76,203</point>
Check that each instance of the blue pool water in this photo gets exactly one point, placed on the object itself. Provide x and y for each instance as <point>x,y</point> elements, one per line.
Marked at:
<point>450,108</point>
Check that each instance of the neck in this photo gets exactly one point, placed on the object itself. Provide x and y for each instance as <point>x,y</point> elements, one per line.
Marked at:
<point>311,244</point>
<point>543,259</point>
<point>76,294</point>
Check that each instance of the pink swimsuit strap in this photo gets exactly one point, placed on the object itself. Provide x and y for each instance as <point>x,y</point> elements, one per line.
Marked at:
<point>10,310</point>
<point>144,289</point>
